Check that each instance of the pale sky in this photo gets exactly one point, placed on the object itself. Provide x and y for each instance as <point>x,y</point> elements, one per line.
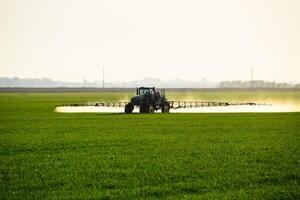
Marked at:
<point>218,40</point>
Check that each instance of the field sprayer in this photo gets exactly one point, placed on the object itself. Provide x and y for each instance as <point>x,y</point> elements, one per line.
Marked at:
<point>149,100</point>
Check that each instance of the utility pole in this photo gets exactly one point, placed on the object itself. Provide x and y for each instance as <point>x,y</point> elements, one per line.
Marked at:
<point>252,83</point>
<point>103,81</point>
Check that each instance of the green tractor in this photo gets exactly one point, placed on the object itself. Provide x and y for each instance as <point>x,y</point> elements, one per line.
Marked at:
<point>148,100</point>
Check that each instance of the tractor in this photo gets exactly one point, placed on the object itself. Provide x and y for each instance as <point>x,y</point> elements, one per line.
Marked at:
<point>148,99</point>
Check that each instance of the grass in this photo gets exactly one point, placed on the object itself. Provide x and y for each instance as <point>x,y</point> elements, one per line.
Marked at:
<point>178,156</point>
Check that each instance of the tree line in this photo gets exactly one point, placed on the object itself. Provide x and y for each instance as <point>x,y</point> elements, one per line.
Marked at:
<point>256,84</point>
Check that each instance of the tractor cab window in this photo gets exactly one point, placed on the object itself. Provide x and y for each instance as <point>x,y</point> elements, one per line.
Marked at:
<point>145,91</point>
<point>151,92</point>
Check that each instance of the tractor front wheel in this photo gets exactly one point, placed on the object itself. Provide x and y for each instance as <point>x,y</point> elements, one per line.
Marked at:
<point>143,109</point>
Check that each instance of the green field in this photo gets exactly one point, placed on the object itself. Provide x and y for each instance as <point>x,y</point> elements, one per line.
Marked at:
<point>51,155</point>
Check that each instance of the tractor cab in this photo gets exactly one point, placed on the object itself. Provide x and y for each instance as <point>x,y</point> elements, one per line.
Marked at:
<point>150,91</point>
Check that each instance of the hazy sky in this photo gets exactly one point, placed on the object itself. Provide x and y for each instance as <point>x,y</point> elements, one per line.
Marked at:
<point>218,40</point>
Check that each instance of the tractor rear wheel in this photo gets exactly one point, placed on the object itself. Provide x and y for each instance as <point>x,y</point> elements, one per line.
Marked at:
<point>150,109</point>
<point>165,109</point>
<point>129,108</point>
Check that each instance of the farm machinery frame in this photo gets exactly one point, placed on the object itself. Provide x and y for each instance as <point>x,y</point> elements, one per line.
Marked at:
<point>150,99</point>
